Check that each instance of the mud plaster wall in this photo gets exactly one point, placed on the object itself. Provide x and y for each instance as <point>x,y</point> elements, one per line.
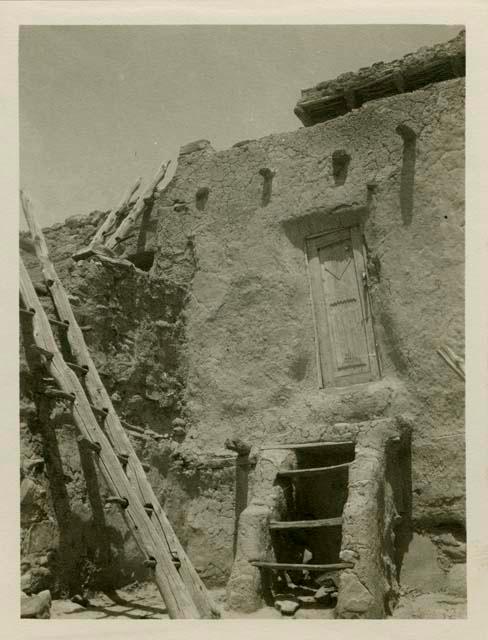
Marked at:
<point>234,354</point>
<point>252,363</point>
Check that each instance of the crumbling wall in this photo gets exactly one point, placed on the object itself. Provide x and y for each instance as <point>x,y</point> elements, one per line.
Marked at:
<point>134,327</point>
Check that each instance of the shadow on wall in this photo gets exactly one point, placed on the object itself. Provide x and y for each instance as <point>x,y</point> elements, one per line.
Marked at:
<point>399,476</point>
<point>407,181</point>
<point>84,550</point>
<point>322,220</point>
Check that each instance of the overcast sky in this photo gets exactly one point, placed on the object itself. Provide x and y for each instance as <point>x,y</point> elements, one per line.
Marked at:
<point>100,106</point>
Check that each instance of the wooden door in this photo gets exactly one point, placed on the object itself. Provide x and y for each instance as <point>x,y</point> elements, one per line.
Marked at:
<point>344,329</point>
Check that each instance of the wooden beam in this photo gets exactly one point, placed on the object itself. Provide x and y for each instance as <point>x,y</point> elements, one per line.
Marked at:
<point>286,566</point>
<point>99,397</point>
<point>128,223</point>
<point>297,446</point>
<point>304,473</point>
<point>108,225</point>
<point>305,524</point>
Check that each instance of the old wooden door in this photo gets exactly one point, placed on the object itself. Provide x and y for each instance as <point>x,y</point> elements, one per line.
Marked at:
<point>344,329</point>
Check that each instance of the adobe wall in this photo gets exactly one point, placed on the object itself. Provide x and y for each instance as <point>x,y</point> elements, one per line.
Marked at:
<point>217,340</point>
<point>252,371</point>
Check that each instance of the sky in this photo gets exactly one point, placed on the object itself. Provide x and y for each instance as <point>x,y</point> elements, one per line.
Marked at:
<point>102,105</point>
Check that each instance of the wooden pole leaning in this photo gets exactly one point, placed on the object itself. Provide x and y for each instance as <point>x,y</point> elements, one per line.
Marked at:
<point>176,597</point>
<point>107,227</point>
<point>100,399</point>
<point>128,223</point>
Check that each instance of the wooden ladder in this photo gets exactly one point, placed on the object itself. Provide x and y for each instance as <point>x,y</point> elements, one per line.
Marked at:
<point>318,523</point>
<point>101,431</point>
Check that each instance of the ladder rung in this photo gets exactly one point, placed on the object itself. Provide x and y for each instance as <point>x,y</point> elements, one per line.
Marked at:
<point>27,312</point>
<point>146,466</point>
<point>309,445</point>
<point>82,370</point>
<point>44,352</point>
<point>285,566</point>
<point>150,562</point>
<point>58,393</point>
<point>41,290</point>
<point>303,473</point>
<point>64,324</point>
<point>90,444</point>
<point>305,524</point>
<point>132,427</point>
<point>123,458</point>
<point>123,502</point>
<point>103,413</point>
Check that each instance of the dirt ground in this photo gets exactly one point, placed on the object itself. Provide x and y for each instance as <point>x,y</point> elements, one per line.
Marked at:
<point>142,601</point>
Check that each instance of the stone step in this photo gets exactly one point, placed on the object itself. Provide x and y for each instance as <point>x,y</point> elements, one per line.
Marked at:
<point>305,524</point>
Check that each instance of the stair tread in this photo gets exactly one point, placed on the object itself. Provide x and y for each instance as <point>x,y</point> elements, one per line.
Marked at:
<point>305,524</point>
<point>300,566</point>
<point>309,445</point>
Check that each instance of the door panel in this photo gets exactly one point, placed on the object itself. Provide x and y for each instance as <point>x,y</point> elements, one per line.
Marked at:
<point>343,321</point>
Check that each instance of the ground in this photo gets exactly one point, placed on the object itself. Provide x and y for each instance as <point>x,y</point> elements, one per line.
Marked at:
<point>142,601</point>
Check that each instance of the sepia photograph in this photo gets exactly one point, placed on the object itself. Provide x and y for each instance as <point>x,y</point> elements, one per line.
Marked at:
<point>242,321</point>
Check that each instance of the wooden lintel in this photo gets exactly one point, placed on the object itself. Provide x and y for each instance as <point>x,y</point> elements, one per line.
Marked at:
<point>304,473</point>
<point>305,524</point>
<point>308,445</point>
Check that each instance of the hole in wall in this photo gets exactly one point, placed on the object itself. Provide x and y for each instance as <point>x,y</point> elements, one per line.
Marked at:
<point>268,175</point>
<point>340,166</point>
<point>142,260</point>
<point>407,183</point>
<point>201,198</point>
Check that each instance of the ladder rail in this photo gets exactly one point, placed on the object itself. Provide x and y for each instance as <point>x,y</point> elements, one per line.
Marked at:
<point>176,597</point>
